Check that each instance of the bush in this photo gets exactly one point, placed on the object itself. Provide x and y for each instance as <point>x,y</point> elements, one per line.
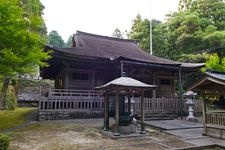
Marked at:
<point>11,101</point>
<point>4,142</point>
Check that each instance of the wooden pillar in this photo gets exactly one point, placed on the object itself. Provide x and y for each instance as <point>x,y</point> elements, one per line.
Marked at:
<point>154,83</point>
<point>66,85</point>
<point>106,112</point>
<point>181,93</point>
<point>142,114</point>
<point>117,114</point>
<point>129,103</point>
<point>121,68</point>
<point>93,77</point>
<point>204,115</point>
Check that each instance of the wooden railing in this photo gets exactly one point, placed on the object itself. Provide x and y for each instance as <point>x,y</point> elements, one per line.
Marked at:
<point>61,99</point>
<point>158,104</point>
<point>86,100</point>
<point>215,119</point>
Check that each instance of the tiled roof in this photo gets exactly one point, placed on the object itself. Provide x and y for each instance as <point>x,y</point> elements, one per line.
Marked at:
<point>92,45</point>
<point>215,74</point>
<point>126,82</point>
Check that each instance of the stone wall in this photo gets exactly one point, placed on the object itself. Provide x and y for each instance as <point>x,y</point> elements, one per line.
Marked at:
<point>62,115</point>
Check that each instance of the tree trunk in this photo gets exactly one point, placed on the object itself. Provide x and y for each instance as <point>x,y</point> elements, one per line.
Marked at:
<point>4,92</point>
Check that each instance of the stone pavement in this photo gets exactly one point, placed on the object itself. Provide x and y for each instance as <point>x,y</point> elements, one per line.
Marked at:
<point>173,124</point>
<point>190,132</point>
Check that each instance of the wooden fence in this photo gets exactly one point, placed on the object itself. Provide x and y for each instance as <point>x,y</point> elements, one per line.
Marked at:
<point>215,119</point>
<point>81,100</point>
<point>158,104</point>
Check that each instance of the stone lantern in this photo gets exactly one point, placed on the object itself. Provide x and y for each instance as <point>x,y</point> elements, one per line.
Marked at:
<point>190,95</point>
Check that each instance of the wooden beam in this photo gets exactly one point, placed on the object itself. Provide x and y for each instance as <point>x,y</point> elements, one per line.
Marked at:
<point>204,115</point>
<point>142,114</point>
<point>105,111</point>
<point>129,103</point>
<point>181,93</point>
<point>117,109</point>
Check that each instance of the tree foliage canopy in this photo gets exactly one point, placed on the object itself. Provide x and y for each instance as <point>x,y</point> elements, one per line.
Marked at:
<point>140,31</point>
<point>198,26</point>
<point>117,33</point>
<point>55,40</point>
<point>21,42</point>
<point>22,31</point>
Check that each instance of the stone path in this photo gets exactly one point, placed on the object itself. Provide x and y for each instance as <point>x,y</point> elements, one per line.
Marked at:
<point>173,124</point>
<point>194,136</point>
<point>190,132</point>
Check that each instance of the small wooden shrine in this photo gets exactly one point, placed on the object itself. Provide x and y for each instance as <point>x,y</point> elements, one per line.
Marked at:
<point>212,85</point>
<point>124,86</point>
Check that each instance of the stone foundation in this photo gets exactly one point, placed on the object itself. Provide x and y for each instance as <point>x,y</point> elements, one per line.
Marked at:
<point>61,115</point>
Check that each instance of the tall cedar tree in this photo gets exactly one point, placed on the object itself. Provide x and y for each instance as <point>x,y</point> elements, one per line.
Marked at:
<point>23,33</point>
<point>55,40</point>
<point>197,27</point>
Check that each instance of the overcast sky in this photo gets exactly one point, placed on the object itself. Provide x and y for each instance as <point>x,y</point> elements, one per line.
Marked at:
<point>101,16</point>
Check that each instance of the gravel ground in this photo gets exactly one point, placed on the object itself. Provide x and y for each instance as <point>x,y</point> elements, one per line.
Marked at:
<point>85,134</point>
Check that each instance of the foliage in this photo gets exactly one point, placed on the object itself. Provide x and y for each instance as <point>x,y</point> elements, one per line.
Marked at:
<point>198,26</point>
<point>13,118</point>
<point>215,63</point>
<point>117,33</point>
<point>4,142</point>
<point>195,27</point>
<point>17,24</point>
<point>11,100</point>
<point>194,58</point>
<point>55,40</point>
<point>69,42</point>
<point>22,37</point>
<point>140,31</point>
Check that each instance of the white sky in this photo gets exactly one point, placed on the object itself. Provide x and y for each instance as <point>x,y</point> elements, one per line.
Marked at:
<point>101,16</point>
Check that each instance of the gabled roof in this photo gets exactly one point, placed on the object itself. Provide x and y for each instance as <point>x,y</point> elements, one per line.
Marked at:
<point>126,82</point>
<point>213,81</point>
<point>91,45</point>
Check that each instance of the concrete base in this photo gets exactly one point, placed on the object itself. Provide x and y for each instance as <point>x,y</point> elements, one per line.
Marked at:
<point>192,119</point>
<point>127,129</point>
<point>111,134</point>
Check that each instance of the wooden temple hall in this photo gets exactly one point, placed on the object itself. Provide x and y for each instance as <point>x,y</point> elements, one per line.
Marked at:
<point>94,60</point>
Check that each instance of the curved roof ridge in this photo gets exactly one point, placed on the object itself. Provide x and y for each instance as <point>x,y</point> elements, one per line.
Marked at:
<point>104,37</point>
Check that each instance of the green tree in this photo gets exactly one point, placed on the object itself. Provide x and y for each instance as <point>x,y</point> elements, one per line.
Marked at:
<point>117,33</point>
<point>140,31</point>
<point>198,26</point>
<point>69,42</point>
<point>55,40</point>
<point>21,42</point>
<point>215,63</point>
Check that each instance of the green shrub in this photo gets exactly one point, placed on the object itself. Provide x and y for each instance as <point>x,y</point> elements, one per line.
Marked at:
<point>11,101</point>
<point>4,142</point>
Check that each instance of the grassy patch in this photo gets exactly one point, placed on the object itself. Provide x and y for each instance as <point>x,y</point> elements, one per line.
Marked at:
<point>13,118</point>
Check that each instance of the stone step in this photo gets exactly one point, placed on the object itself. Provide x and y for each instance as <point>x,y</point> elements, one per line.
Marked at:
<point>158,116</point>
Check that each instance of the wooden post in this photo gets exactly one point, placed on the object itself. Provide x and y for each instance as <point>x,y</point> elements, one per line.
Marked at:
<point>142,114</point>
<point>129,103</point>
<point>106,112</point>
<point>154,83</point>
<point>121,68</point>
<point>117,114</point>
<point>181,93</point>
<point>204,115</point>
<point>66,86</point>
